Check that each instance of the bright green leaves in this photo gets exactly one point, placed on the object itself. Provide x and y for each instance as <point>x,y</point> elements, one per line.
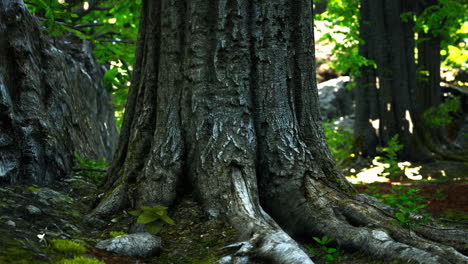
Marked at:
<point>342,17</point>
<point>339,141</point>
<point>52,14</point>
<point>112,26</point>
<point>154,218</point>
<point>322,251</point>
<point>410,202</point>
<point>392,169</point>
<point>325,240</point>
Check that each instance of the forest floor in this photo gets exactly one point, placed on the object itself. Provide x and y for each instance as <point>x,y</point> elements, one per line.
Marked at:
<point>28,212</point>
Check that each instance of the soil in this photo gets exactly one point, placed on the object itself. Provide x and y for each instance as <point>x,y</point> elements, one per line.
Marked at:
<point>453,196</point>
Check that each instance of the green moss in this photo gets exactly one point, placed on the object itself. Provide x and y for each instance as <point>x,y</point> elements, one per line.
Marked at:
<point>111,192</point>
<point>32,189</point>
<point>79,260</point>
<point>68,247</point>
<point>116,233</point>
<point>456,215</point>
<point>13,251</point>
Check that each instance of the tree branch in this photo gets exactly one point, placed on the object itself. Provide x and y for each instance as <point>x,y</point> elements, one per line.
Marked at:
<point>88,25</point>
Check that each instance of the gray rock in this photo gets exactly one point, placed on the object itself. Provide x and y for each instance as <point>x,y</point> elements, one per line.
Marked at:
<point>335,100</point>
<point>33,210</point>
<point>53,197</point>
<point>132,245</point>
<point>11,223</point>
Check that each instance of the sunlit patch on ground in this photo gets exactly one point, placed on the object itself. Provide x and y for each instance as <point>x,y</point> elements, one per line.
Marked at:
<point>376,173</point>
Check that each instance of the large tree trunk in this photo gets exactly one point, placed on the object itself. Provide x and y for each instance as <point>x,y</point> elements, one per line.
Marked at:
<point>52,101</point>
<point>224,104</point>
<point>385,101</point>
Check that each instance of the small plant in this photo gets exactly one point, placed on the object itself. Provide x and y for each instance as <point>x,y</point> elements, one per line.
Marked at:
<point>113,234</point>
<point>80,260</point>
<point>68,247</point>
<point>339,141</point>
<point>440,115</point>
<point>94,170</point>
<point>439,195</point>
<point>410,202</point>
<point>154,218</point>
<point>390,158</point>
<point>324,252</point>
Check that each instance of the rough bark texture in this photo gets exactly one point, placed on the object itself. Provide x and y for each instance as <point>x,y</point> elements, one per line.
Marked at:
<point>385,101</point>
<point>224,104</point>
<point>52,101</point>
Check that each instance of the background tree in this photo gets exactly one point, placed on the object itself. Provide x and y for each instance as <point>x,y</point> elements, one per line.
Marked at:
<point>384,96</point>
<point>393,96</point>
<point>437,26</point>
<point>223,105</point>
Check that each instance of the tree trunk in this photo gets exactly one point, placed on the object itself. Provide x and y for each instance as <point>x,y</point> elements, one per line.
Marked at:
<point>385,96</point>
<point>52,101</point>
<point>224,104</point>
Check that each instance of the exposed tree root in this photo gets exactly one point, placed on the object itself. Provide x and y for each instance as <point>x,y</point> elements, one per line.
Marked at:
<point>356,222</point>
<point>359,225</point>
<point>267,240</point>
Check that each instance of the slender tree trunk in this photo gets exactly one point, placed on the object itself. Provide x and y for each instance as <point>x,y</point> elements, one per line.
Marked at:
<point>428,92</point>
<point>386,95</point>
<point>224,105</point>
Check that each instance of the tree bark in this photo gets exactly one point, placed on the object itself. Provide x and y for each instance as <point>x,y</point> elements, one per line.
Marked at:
<point>224,104</point>
<point>386,98</point>
<point>52,101</point>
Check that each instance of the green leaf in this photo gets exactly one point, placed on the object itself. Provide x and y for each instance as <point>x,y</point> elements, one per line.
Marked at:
<point>329,257</point>
<point>147,217</point>
<point>167,219</point>
<point>318,240</point>
<point>331,250</point>
<point>400,217</point>
<point>327,239</point>
<point>136,212</point>
<point>154,227</point>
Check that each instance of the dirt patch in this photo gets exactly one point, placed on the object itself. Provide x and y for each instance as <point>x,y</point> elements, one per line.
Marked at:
<point>439,197</point>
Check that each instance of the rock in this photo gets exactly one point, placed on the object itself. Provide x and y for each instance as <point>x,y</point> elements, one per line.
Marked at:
<point>10,223</point>
<point>132,245</point>
<point>335,100</point>
<point>33,210</point>
<point>52,101</point>
<point>53,197</point>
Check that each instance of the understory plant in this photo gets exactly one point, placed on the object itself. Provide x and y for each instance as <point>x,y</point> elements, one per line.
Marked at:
<point>154,218</point>
<point>339,141</point>
<point>93,170</point>
<point>441,115</point>
<point>323,251</point>
<point>410,202</point>
<point>390,155</point>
